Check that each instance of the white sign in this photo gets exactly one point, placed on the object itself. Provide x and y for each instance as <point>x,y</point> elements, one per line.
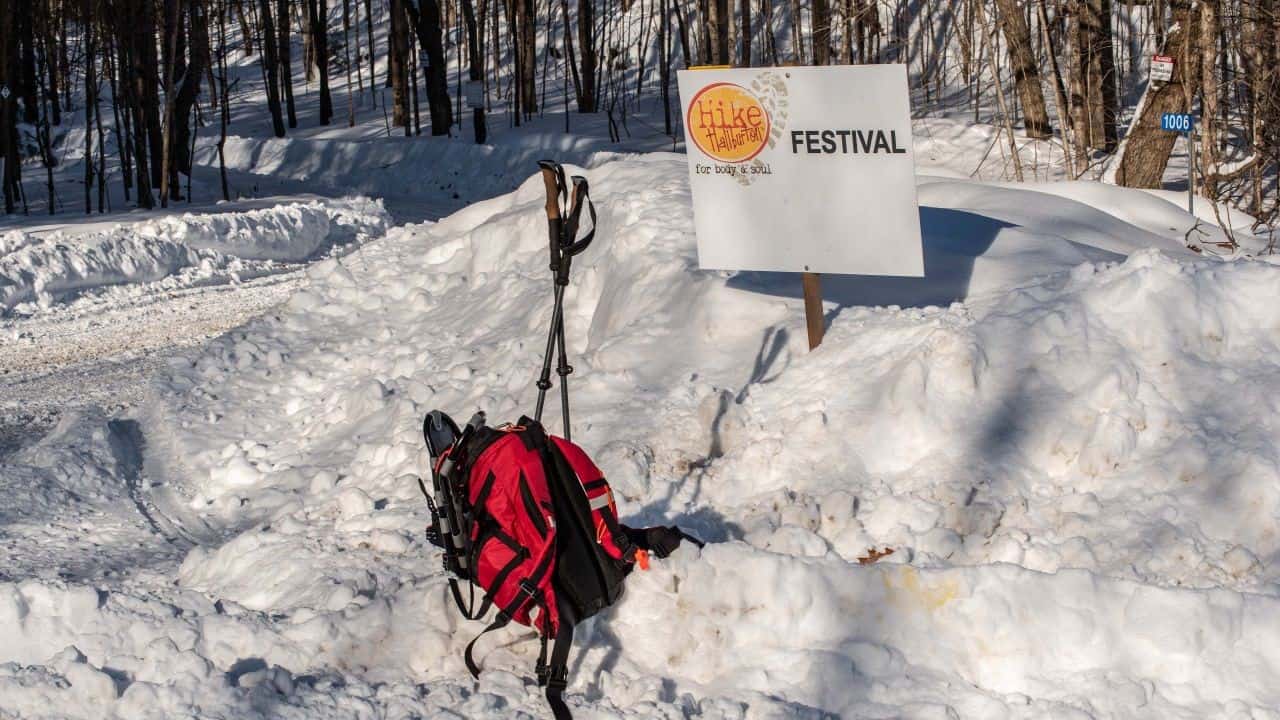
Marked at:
<point>1161,68</point>
<point>803,169</point>
<point>473,91</point>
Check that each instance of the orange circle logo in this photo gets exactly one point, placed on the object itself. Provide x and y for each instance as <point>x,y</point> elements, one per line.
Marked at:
<point>728,123</point>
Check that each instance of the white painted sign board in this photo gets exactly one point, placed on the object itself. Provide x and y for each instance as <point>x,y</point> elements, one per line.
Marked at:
<point>473,91</point>
<point>803,169</point>
<point>1161,68</point>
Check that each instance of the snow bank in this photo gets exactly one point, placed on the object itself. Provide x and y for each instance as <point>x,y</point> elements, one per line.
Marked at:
<point>1030,486</point>
<point>185,249</point>
<point>392,168</point>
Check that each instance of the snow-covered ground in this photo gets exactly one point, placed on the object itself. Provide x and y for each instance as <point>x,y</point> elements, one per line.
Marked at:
<point>1065,435</point>
<point>91,307</point>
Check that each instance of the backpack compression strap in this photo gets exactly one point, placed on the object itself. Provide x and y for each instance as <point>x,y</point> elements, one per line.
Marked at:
<point>498,622</point>
<point>557,671</point>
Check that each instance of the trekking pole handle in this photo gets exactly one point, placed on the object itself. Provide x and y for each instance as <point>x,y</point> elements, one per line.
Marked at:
<point>553,181</point>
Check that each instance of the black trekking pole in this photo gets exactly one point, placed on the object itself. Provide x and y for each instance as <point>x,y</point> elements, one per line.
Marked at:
<point>562,230</point>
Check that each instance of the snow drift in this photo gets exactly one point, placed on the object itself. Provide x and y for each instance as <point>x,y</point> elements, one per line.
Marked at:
<point>185,249</point>
<point>1049,434</point>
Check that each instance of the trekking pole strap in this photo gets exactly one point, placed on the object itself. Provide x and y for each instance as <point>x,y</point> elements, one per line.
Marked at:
<point>581,195</point>
<point>691,538</point>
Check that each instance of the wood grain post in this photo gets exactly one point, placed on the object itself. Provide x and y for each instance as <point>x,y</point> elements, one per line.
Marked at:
<point>813,317</point>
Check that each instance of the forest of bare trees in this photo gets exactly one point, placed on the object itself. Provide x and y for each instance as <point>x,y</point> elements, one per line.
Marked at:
<point>140,80</point>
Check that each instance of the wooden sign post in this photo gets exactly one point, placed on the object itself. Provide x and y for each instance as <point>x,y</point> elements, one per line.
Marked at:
<point>813,317</point>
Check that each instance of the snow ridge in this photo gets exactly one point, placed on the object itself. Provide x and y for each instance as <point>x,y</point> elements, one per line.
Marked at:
<point>38,272</point>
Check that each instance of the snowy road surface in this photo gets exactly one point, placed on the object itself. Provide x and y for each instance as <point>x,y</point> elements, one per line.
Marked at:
<point>89,312</point>
<point>1066,437</point>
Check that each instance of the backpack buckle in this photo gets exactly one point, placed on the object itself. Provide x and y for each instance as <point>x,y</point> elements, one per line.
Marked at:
<point>558,678</point>
<point>528,588</point>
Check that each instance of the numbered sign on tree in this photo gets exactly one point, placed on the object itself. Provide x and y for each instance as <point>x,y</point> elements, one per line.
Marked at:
<point>806,169</point>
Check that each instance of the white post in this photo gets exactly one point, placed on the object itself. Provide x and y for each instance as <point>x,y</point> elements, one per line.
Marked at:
<point>1191,173</point>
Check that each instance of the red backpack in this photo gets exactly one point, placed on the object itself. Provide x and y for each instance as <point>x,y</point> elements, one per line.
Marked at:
<point>529,519</point>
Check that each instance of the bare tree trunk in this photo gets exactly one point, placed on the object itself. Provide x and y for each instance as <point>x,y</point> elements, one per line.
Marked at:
<point>50,40</point>
<point>475,47</point>
<point>308,44</point>
<point>43,129</point>
<point>746,33</point>
<point>664,60</point>
<point>722,22</point>
<point>703,27</point>
<point>246,33</point>
<point>527,46</point>
<point>346,60</point>
<point>189,91</point>
<point>10,160</point>
<point>846,32</point>
<point>770,40</point>
<point>797,34</point>
<point>866,27</point>
<point>115,56</point>
<point>1210,12</point>
<point>587,46</point>
<point>1103,98</point>
<point>146,64</point>
<point>572,59</point>
<point>1000,98</point>
<point>1077,67</point>
<point>90,100</point>
<point>1035,116</point>
<point>372,53</point>
<point>427,26</point>
<point>1093,88</point>
<point>397,56</point>
<point>1145,154</point>
<point>137,59</point>
<point>1060,94</point>
<point>27,87</point>
<point>284,48</point>
<point>172,68</point>
<point>821,20</point>
<point>224,107</point>
<point>412,64</point>
<point>318,23</point>
<point>731,32</point>
<point>271,65</point>
<point>682,31</point>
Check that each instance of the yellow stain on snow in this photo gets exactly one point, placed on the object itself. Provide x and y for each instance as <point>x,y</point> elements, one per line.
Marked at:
<point>905,589</point>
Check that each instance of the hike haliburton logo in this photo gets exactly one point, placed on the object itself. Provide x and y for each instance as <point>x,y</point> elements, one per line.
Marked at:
<point>728,123</point>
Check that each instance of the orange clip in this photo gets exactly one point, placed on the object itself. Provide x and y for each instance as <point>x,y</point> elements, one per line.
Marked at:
<point>642,559</point>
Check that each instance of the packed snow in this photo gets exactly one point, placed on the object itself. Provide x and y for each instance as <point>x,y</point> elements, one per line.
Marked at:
<point>1040,482</point>
<point>37,272</point>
